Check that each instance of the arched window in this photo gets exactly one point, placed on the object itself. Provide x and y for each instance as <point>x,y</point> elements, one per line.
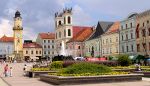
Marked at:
<point>64,33</point>
<point>59,22</point>
<point>69,32</point>
<point>64,20</point>
<point>69,20</point>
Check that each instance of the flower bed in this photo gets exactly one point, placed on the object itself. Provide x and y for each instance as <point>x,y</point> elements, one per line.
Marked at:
<point>60,80</point>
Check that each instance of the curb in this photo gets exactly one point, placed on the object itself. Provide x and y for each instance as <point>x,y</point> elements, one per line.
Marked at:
<point>5,81</point>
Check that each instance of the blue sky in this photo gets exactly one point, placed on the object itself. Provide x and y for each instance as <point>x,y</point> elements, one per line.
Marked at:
<point>38,15</point>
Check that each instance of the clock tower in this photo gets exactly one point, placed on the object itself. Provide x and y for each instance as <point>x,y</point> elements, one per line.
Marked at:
<point>18,44</point>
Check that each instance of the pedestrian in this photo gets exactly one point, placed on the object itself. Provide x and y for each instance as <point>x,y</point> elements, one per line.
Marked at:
<point>25,69</point>
<point>6,70</point>
<point>10,71</point>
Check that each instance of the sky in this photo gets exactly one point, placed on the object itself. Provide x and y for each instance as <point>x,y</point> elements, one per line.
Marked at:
<point>38,15</point>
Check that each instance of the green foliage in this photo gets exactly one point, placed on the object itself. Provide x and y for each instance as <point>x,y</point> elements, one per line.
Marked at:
<point>56,65</point>
<point>40,69</point>
<point>62,58</point>
<point>85,67</point>
<point>124,60</point>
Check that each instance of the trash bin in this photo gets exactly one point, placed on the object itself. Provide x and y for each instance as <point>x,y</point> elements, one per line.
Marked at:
<point>30,74</point>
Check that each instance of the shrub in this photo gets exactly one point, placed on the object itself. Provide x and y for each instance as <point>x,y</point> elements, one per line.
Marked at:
<point>107,63</point>
<point>85,67</point>
<point>56,65</point>
<point>40,69</point>
<point>62,58</point>
<point>124,60</point>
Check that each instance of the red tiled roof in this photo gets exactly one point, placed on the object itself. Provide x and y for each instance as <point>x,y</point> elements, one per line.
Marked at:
<point>77,29</point>
<point>82,35</point>
<point>6,39</point>
<point>114,28</point>
<point>47,35</point>
<point>31,45</point>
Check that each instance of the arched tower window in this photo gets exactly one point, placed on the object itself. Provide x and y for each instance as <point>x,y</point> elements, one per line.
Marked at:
<point>69,32</point>
<point>64,20</point>
<point>64,33</point>
<point>69,20</point>
<point>59,22</point>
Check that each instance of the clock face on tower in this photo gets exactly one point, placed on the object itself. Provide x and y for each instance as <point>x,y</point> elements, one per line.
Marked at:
<point>18,35</point>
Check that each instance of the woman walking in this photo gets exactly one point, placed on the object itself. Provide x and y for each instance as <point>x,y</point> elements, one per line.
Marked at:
<point>6,70</point>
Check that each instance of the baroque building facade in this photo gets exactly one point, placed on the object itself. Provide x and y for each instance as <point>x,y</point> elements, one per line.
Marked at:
<point>93,45</point>
<point>143,33</point>
<point>127,35</point>
<point>110,41</point>
<point>47,41</point>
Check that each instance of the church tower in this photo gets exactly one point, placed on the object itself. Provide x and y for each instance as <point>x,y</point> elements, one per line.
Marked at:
<point>63,28</point>
<point>18,41</point>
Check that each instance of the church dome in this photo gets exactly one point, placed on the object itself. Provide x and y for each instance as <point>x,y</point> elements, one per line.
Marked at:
<point>17,14</point>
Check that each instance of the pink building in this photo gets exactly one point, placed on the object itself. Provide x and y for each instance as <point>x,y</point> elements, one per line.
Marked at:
<point>76,44</point>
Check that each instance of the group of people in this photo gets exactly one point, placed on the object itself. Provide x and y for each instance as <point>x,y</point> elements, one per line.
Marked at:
<point>7,71</point>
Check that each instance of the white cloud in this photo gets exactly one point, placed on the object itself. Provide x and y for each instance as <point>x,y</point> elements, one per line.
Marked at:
<point>6,28</point>
<point>80,16</point>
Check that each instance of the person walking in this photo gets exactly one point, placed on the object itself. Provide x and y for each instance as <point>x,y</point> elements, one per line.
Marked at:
<point>6,70</point>
<point>10,71</point>
<point>25,69</point>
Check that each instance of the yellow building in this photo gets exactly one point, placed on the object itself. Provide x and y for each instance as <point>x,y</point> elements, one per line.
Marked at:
<point>18,44</point>
<point>32,51</point>
<point>110,41</point>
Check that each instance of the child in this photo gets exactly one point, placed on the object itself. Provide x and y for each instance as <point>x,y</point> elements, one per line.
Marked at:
<point>10,71</point>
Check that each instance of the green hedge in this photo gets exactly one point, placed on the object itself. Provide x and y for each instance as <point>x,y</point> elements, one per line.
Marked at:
<point>56,65</point>
<point>124,60</point>
<point>85,67</point>
<point>40,69</point>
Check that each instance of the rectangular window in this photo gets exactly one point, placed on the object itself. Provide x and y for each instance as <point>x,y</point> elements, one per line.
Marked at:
<point>36,52</point>
<point>149,46</point>
<point>147,21</point>
<point>116,39</point>
<point>137,34</point>
<point>44,52</point>
<point>122,27</point>
<point>44,41</point>
<point>40,52</point>
<point>110,40</point>
<point>122,37</point>
<point>26,52</point>
<point>126,26</point>
<point>116,49</point>
<point>52,41</point>
<point>131,35</point>
<point>127,48</point>
<point>132,48</point>
<point>31,52</point>
<point>69,32</point>
<point>110,50</point>
<point>64,33</point>
<point>143,24</point>
<point>144,46</point>
<point>131,25</point>
<point>126,36</point>
<point>52,46</point>
<point>44,46</point>
<point>123,49</point>
<point>48,52</point>
<point>138,47</point>
<point>48,46</point>
<point>144,33</point>
<point>149,31</point>
<point>48,41</point>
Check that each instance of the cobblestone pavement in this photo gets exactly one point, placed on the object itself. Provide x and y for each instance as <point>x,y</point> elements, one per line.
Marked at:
<point>19,80</point>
